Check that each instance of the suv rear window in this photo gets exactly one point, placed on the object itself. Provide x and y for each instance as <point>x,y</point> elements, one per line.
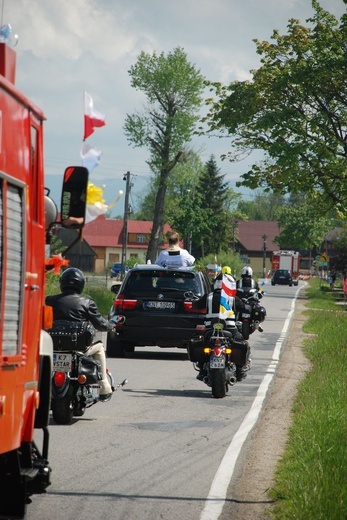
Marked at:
<point>154,281</point>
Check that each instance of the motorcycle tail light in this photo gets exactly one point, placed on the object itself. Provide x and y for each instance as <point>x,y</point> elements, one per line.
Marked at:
<point>81,379</point>
<point>59,378</point>
<point>217,351</point>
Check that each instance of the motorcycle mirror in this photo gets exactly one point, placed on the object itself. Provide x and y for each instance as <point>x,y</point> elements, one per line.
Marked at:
<point>118,319</point>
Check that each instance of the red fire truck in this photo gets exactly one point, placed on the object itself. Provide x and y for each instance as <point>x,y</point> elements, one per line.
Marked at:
<point>27,215</point>
<point>288,260</point>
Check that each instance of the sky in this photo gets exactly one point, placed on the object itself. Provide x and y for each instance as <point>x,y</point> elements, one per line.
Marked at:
<point>66,47</point>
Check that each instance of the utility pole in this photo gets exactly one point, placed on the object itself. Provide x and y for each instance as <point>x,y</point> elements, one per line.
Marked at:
<point>264,237</point>
<point>125,222</point>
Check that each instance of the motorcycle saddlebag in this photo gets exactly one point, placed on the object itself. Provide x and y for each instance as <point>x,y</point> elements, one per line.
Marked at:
<point>240,352</point>
<point>90,368</point>
<point>259,313</point>
<point>71,335</point>
<point>196,349</point>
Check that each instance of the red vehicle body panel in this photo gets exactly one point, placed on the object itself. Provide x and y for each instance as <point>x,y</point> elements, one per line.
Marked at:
<point>289,260</point>
<point>22,262</point>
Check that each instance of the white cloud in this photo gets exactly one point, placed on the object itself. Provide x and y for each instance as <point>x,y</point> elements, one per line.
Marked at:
<point>67,46</point>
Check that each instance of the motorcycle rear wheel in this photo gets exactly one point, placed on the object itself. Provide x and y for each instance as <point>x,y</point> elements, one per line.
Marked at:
<point>218,383</point>
<point>62,410</point>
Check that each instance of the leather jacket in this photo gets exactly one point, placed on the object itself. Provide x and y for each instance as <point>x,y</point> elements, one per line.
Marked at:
<point>72,306</point>
<point>247,283</point>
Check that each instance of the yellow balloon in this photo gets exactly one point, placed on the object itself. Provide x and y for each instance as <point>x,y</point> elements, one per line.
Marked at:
<point>94,194</point>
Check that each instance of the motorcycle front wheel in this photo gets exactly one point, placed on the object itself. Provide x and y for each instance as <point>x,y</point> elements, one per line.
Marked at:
<point>218,383</point>
<point>62,410</point>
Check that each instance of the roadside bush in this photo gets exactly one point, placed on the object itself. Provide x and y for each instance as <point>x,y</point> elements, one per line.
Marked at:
<point>102,296</point>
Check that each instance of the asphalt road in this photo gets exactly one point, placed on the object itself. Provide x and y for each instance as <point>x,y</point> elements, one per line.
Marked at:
<point>162,448</point>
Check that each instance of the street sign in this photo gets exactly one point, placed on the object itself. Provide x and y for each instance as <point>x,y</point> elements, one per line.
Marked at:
<point>323,258</point>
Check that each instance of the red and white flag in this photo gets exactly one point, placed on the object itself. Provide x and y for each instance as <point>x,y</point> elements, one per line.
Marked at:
<point>92,118</point>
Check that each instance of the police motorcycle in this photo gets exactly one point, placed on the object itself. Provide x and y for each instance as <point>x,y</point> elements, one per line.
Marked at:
<point>218,352</point>
<point>253,314</point>
<point>76,376</point>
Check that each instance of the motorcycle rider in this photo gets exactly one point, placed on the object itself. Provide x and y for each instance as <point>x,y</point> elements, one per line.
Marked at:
<point>213,309</point>
<point>72,305</point>
<point>247,282</point>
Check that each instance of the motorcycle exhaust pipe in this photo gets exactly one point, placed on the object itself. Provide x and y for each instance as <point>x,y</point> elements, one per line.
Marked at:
<point>231,377</point>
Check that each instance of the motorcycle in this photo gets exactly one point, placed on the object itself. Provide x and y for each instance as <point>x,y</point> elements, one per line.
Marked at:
<point>76,376</point>
<point>252,315</point>
<point>220,357</point>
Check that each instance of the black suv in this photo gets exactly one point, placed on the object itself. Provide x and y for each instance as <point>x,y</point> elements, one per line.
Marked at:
<point>163,306</point>
<point>282,277</point>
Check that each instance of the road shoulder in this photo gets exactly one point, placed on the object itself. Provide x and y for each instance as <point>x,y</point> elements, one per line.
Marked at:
<point>247,495</point>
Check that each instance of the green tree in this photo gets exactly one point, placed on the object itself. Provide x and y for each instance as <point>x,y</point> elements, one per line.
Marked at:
<point>264,206</point>
<point>219,208</point>
<point>183,209</point>
<point>295,111</point>
<point>56,245</point>
<point>301,227</point>
<point>173,88</point>
<point>339,262</point>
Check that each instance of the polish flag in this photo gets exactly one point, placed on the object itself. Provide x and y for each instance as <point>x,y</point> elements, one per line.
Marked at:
<point>92,118</point>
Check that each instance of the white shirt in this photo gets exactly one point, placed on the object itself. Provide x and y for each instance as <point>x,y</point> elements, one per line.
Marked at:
<point>177,258</point>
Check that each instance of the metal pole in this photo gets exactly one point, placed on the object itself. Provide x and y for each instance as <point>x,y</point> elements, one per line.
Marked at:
<point>125,223</point>
<point>264,237</point>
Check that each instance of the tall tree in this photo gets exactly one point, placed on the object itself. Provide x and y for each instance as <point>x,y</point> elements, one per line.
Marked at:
<point>173,88</point>
<point>183,208</point>
<point>295,110</point>
<point>218,204</point>
<point>301,227</point>
<point>264,206</point>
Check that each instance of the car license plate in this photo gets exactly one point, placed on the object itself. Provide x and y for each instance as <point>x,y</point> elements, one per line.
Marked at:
<point>217,362</point>
<point>160,305</point>
<point>62,362</point>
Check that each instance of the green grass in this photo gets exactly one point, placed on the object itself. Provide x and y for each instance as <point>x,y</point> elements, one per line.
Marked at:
<point>102,296</point>
<point>311,478</point>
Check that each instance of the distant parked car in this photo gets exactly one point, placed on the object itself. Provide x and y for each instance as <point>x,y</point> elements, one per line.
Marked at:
<point>116,269</point>
<point>282,277</point>
<point>157,303</point>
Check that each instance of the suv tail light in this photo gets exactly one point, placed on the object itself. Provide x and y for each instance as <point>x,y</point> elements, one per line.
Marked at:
<point>188,307</point>
<point>120,303</point>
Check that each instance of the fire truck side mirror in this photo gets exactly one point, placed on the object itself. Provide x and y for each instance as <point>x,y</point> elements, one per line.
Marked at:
<point>74,197</point>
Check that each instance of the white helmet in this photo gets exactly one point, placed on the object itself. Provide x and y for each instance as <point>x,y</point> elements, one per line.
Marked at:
<point>247,271</point>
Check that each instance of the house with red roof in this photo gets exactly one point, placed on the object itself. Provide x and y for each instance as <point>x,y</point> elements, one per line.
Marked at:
<point>254,241</point>
<point>105,236</point>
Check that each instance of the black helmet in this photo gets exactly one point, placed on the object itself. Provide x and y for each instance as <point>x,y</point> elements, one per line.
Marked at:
<point>72,279</point>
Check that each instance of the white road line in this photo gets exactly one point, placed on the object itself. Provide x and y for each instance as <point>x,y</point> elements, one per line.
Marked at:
<point>218,490</point>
